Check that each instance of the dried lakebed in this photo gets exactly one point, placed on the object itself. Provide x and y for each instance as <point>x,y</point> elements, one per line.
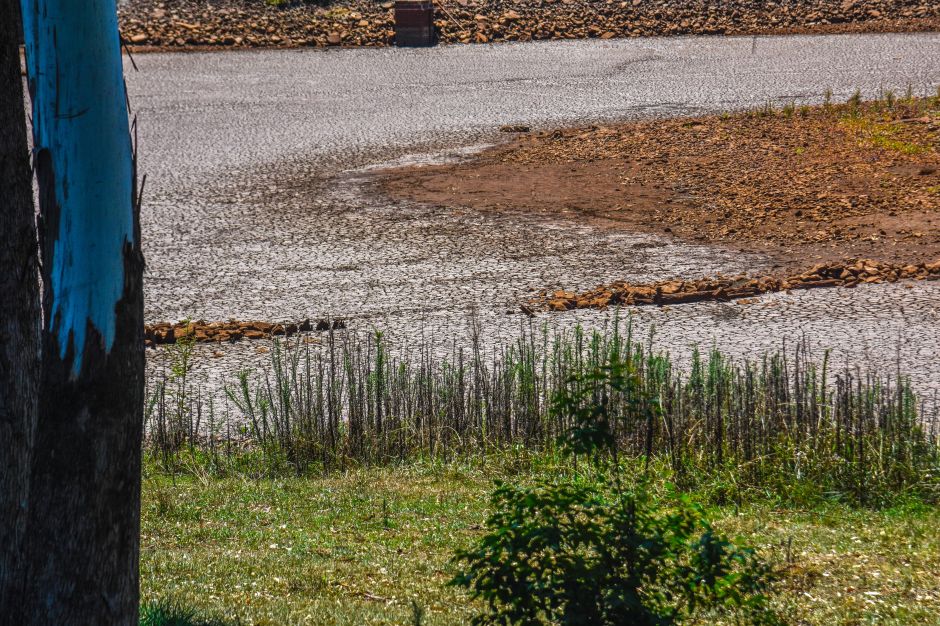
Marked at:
<point>250,215</point>
<point>423,275</point>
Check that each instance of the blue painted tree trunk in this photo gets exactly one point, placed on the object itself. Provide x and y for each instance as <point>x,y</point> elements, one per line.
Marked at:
<point>80,126</point>
<point>83,518</point>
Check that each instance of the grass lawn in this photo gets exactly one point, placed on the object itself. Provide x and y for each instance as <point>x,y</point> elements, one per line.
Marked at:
<point>373,547</point>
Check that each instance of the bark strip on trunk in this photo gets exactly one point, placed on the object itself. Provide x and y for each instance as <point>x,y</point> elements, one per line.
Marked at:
<point>19,312</point>
<point>84,499</point>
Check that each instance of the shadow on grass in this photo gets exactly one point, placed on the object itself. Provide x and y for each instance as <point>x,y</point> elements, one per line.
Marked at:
<point>167,613</point>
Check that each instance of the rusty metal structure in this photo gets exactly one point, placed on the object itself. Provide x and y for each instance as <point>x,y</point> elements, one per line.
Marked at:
<point>414,23</point>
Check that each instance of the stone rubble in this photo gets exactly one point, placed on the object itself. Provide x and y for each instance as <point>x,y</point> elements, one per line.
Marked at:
<point>291,24</point>
<point>849,274</point>
<point>202,331</point>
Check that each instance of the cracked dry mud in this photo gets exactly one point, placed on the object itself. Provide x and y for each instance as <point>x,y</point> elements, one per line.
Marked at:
<point>260,207</point>
<point>854,185</point>
<point>825,183</point>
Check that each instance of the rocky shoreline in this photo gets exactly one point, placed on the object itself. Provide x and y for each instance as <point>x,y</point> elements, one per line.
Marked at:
<point>186,24</point>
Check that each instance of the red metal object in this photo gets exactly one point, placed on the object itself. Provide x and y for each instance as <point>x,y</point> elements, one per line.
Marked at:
<point>414,23</point>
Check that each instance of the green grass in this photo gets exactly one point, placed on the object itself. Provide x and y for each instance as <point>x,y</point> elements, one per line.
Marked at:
<point>850,566</point>
<point>166,612</point>
<point>352,549</point>
<point>883,139</point>
<point>368,546</point>
<point>879,123</point>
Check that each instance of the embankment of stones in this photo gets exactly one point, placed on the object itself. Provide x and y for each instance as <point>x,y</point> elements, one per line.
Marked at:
<point>842,274</point>
<point>233,330</point>
<point>260,23</point>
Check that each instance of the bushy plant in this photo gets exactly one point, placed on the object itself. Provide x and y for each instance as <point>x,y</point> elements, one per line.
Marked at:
<point>590,550</point>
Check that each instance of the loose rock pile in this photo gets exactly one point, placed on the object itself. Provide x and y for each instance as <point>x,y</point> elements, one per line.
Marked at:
<point>846,274</point>
<point>257,23</point>
<point>233,330</point>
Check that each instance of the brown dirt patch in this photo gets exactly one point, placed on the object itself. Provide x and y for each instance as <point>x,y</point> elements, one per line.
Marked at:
<point>804,185</point>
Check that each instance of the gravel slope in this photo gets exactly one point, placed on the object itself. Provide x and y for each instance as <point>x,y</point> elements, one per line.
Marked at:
<point>257,23</point>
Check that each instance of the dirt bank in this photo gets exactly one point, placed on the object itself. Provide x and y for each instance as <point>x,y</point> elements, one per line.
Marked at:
<point>801,185</point>
<point>161,24</point>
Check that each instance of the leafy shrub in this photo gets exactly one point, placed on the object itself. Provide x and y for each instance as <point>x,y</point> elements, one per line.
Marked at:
<point>587,550</point>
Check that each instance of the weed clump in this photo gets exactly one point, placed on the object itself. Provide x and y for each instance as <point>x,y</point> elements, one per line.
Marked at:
<point>784,424</point>
<point>589,550</point>
<point>167,613</point>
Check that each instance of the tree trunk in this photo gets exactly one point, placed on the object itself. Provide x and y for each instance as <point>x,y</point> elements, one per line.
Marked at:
<point>19,311</point>
<point>84,502</point>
